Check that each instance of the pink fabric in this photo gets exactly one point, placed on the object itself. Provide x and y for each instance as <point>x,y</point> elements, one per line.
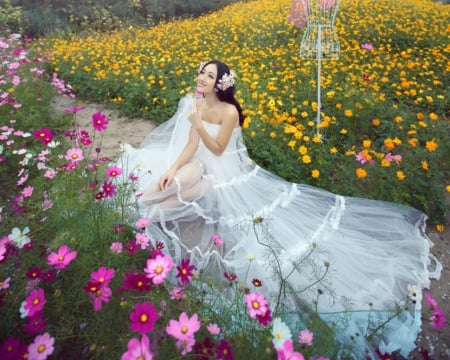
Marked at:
<point>297,16</point>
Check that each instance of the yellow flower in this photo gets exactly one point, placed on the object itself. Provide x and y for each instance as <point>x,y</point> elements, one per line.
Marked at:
<point>398,119</point>
<point>306,138</point>
<point>361,173</point>
<point>429,99</point>
<point>306,159</point>
<point>304,114</point>
<point>291,144</point>
<point>343,132</point>
<point>330,94</point>
<point>317,138</point>
<point>348,112</point>
<point>385,163</point>
<point>272,134</point>
<point>440,228</point>
<point>425,165</point>
<point>431,146</point>
<point>400,175</point>
<point>315,173</point>
<point>367,143</point>
<point>339,106</point>
<point>303,150</point>
<point>447,188</point>
<point>333,150</point>
<point>434,116</point>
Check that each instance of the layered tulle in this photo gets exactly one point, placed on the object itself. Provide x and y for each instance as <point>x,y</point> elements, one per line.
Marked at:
<point>360,255</point>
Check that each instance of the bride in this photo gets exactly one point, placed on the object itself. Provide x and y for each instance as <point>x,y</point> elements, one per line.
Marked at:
<point>198,183</point>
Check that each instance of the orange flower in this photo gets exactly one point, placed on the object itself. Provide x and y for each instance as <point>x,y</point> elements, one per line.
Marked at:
<point>440,228</point>
<point>361,173</point>
<point>315,173</point>
<point>425,165</point>
<point>389,144</point>
<point>375,122</point>
<point>431,146</point>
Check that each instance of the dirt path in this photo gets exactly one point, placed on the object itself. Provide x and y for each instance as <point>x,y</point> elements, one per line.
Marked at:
<point>120,128</point>
<point>133,130</point>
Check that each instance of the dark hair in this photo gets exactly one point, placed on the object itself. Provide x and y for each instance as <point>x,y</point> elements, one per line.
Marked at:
<point>226,95</point>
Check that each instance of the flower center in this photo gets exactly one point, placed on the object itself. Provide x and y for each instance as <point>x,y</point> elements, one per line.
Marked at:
<point>41,348</point>
<point>144,318</point>
<point>255,305</point>
<point>159,270</point>
<point>61,258</point>
<point>184,271</point>
<point>184,329</point>
<point>36,301</point>
<point>139,284</point>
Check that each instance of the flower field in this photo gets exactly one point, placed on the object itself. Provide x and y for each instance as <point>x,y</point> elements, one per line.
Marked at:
<point>79,278</point>
<point>384,99</point>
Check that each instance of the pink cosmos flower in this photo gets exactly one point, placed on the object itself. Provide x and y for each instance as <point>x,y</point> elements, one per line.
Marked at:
<point>185,271</point>
<point>213,329</point>
<point>265,318</point>
<point>143,317</point>
<point>5,284</point>
<point>50,174</point>
<point>142,223</point>
<point>217,240</point>
<point>103,275</point>
<point>177,294</point>
<point>138,350</point>
<point>99,121</point>
<point>2,252</point>
<point>44,135</point>
<point>287,352</point>
<point>437,319</point>
<point>367,47</point>
<point>185,328</point>
<point>74,155</point>
<point>27,191</point>
<point>41,347</point>
<point>36,324</point>
<point>10,348</point>
<point>62,258</point>
<point>113,172</point>
<point>108,189</point>
<point>432,303</point>
<point>142,239</point>
<point>186,345</point>
<point>256,304</point>
<point>224,351</point>
<point>35,302</point>
<point>158,268</point>
<point>306,337</point>
<point>116,247</point>
<point>102,295</point>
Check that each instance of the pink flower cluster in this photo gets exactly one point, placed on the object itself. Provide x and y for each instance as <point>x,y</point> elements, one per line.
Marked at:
<point>437,317</point>
<point>97,287</point>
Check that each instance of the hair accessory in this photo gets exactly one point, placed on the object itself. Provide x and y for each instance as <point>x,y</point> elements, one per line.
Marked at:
<point>226,81</point>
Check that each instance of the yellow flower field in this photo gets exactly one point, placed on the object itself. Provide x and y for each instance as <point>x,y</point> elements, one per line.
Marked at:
<point>391,95</point>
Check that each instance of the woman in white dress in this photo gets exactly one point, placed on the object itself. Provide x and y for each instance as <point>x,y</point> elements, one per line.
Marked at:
<point>198,181</point>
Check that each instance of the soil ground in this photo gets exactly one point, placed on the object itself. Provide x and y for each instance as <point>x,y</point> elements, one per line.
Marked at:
<point>431,343</point>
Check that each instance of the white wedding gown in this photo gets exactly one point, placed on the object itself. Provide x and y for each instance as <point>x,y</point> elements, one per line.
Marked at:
<point>371,252</point>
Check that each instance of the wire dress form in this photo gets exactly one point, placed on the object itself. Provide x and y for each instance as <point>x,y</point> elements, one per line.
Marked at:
<point>319,40</point>
<point>356,251</point>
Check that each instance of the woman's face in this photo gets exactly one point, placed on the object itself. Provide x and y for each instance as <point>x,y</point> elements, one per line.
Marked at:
<point>206,79</point>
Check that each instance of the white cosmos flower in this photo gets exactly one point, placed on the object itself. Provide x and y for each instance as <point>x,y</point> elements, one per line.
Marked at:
<point>20,237</point>
<point>280,332</point>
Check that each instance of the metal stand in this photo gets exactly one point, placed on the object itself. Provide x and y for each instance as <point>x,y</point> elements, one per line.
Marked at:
<point>320,40</point>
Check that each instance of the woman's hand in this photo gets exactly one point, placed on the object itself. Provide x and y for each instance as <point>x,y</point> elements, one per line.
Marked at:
<point>166,179</point>
<point>195,117</point>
